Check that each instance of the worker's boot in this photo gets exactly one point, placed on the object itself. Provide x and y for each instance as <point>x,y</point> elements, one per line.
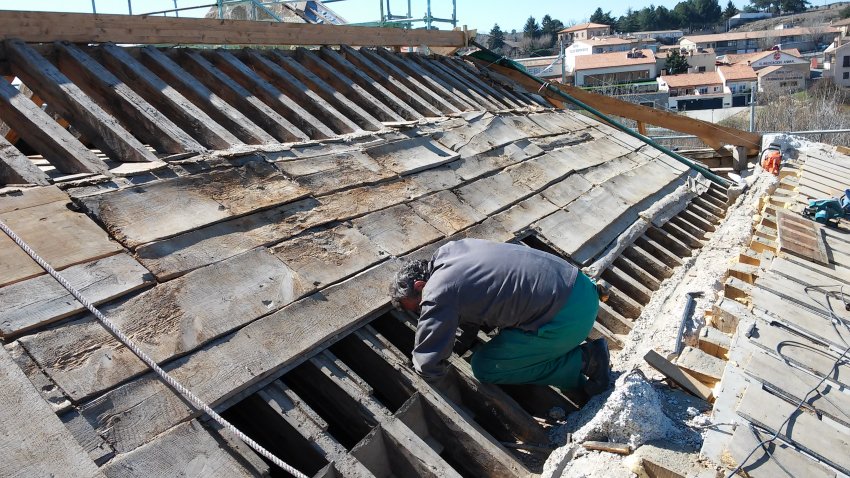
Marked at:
<point>596,366</point>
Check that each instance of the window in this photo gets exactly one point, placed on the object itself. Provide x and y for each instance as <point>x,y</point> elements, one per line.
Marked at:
<point>701,69</point>
<point>846,75</point>
<point>651,104</point>
<point>846,61</point>
<point>703,91</point>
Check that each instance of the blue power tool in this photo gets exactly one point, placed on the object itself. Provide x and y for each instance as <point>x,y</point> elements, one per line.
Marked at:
<point>829,211</point>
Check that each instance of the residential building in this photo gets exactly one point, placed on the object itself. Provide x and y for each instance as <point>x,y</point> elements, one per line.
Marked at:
<point>583,31</point>
<point>737,83</point>
<point>546,67</point>
<point>780,78</point>
<point>836,63</point>
<point>598,45</point>
<point>614,68</point>
<point>804,39</point>
<point>743,18</point>
<point>693,91</point>
<point>659,35</point>
<point>699,61</point>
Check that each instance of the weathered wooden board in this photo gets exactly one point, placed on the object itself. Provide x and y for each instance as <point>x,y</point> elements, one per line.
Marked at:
<point>411,155</point>
<point>457,83</point>
<point>29,197</point>
<point>677,375</point>
<point>62,237</point>
<point>45,387</point>
<point>480,136</point>
<point>45,135</point>
<point>328,255</point>
<point>539,172</point>
<point>780,459</point>
<point>15,168</point>
<point>397,230</point>
<point>564,192</point>
<point>446,212</point>
<point>793,267</point>
<point>801,239</point>
<point>162,209</point>
<point>332,172</point>
<point>166,321</point>
<point>522,214</point>
<point>187,451</point>
<point>388,63</point>
<point>795,291</point>
<point>212,104</point>
<point>794,384</point>
<point>611,168</point>
<point>41,300</point>
<point>33,440</point>
<point>809,433</point>
<point>472,167</point>
<point>493,93</point>
<point>147,122</point>
<point>240,97</point>
<point>493,193</point>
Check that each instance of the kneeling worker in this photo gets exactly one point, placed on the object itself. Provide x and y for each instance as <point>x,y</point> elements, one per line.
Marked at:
<point>543,306</point>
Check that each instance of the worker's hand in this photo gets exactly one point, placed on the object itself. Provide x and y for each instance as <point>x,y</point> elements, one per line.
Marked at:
<point>603,289</point>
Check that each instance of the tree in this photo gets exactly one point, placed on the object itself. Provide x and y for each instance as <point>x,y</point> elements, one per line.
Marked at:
<point>845,12</point>
<point>628,22</point>
<point>602,18</point>
<point>731,10</point>
<point>676,63</point>
<point>531,28</point>
<point>497,38</point>
<point>550,28</point>
<point>793,6</point>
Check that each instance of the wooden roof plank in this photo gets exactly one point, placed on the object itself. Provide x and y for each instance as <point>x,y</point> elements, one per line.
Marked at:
<point>332,95</point>
<point>455,83</point>
<point>45,135</point>
<point>167,321</point>
<point>333,172</point>
<point>15,168</point>
<point>369,83</point>
<point>446,212</point>
<point>389,62</point>
<point>41,300</point>
<point>62,237</point>
<point>771,460</point>
<point>243,99</point>
<point>447,86</point>
<point>146,121</point>
<point>43,27</point>
<point>517,95</point>
<point>264,90</point>
<point>72,104</point>
<point>34,441</point>
<point>462,74</point>
<point>397,230</point>
<point>409,156</point>
<point>807,432</point>
<point>303,96</point>
<point>29,197</point>
<point>480,136</point>
<point>166,99</point>
<point>134,215</point>
<point>388,80</point>
<point>210,102</point>
<point>345,85</point>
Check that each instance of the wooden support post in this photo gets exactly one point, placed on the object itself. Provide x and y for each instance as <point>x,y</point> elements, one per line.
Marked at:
<point>203,97</point>
<point>71,103</point>
<point>166,99</point>
<point>15,168</point>
<point>146,121</point>
<point>641,126</point>
<point>46,136</point>
<point>234,93</point>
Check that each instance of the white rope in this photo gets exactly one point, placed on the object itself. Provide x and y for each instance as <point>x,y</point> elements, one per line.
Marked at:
<point>171,381</point>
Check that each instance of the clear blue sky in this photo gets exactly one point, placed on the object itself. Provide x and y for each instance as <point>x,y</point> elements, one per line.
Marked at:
<point>480,14</point>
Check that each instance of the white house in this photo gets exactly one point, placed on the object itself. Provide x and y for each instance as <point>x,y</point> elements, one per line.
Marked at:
<point>597,45</point>
<point>614,68</point>
<point>699,61</point>
<point>836,63</point>
<point>693,91</point>
<point>583,31</point>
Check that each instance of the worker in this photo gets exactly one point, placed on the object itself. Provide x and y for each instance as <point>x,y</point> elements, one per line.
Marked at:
<point>543,306</point>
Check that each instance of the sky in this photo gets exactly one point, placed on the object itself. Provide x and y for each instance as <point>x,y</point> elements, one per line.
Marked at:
<point>476,14</point>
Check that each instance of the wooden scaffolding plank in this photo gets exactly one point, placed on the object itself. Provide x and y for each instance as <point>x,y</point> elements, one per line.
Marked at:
<point>388,80</point>
<point>332,95</point>
<point>345,85</point>
<point>273,97</point>
<point>34,441</point>
<point>15,168</point>
<point>136,215</point>
<point>45,135</point>
<point>41,300</point>
<point>165,98</point>
<point>147,122</point>
<point>212,104</point>
<point>62,237</point>
<point>243,99</point>
<point>41,27</point>
<point>69,101</point>
<point>169,320</point>
<point>368,83</point>
<point>807,432</point>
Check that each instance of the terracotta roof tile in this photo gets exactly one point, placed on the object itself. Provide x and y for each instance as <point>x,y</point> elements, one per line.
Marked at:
<point>737,72</point>
<point>692,79</point>
<point>758,34</point>
<point>583,26</point>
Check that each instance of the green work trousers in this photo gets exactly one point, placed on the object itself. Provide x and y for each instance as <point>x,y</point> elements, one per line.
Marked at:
<point>549,356</point>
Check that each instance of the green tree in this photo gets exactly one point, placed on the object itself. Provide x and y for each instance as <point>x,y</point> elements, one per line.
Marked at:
<point>497,38</point>
<point>550,26</point>
<point>665,18</point>
<point>731,10</point>
<point>676,63</point>
<point>794,6</point>
<point>603,18</point>
<point>845,12</point>
<point>628,22</point>
<point>531,28</point>
<point>647,19</point>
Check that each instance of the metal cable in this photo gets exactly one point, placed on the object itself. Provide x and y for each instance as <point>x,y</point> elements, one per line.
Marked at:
<point>171,381</point>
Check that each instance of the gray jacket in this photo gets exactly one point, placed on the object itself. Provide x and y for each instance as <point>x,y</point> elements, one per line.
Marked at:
<point>486,284</point>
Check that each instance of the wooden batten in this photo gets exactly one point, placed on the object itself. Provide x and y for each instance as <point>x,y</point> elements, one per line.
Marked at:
<point>385,61</point>
<point>15,168</point>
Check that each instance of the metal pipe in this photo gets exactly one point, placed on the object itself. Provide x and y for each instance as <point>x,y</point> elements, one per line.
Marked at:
<point>93,7</point>
<point>130,6</point>
<point>801,133</point>
<point>552,89</point>
<point>454,13</point>
<point>428,15</point>
<point>381,3</point>
<point>175,10</point>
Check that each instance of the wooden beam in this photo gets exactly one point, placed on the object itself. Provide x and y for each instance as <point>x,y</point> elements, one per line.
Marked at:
<point>45,135</point>
<point>714,135</point>
<point>44,27</point>
<point>73,104</point>
<point>387,61</point>
<point>148,122</point>
<point>15,168</point>
<point>679,376</point>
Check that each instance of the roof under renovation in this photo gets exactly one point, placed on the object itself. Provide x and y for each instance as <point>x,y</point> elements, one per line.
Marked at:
<point>240,212</point>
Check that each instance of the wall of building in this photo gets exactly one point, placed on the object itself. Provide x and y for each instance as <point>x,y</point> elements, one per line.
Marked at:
<point>835,65</point>
<point>614,75</point>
